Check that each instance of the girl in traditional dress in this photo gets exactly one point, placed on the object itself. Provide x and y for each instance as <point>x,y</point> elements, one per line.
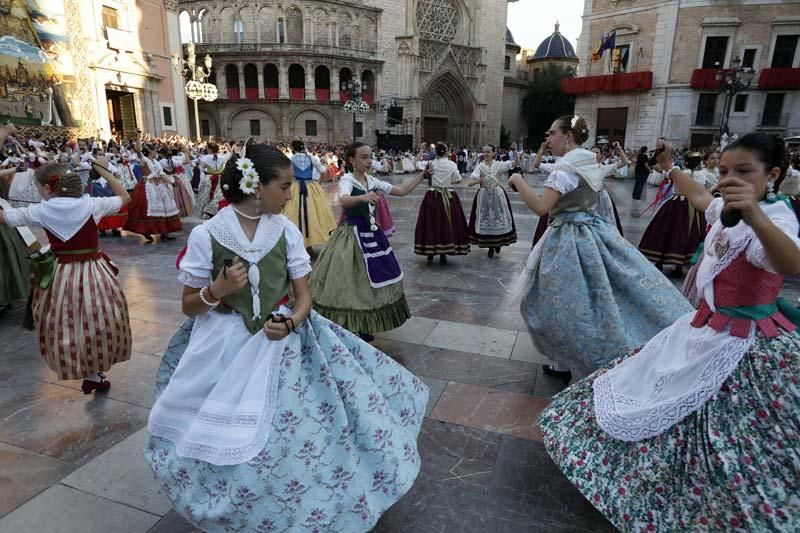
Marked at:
<point>79,308</point>
<point>153,209</point>
<point>677,228</point>
<point>708,176</point>
<point>605,202</point>
<point>491,222</point>
<point>172,162</point>
<point>698,429</point>
<point>309,208</point>
<point>791,185</point>
<point>586,293</point>
<point>269,417</point>
<point>441,226</point>
<point>99,187</point>
<point>357,281</point>
<point>23,191</point>
<point>209,194</point>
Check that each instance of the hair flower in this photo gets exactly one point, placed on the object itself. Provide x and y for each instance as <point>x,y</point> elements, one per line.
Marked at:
<point>250,178</point>
<point>244,165</point>
<point>574,122</point>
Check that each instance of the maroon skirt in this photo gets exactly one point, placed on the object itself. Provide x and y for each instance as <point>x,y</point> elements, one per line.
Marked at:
<point>139,222</point>
<point>491,241</point>
<point>115,221</point>
<point>674,234</point>
<point>441,229</point>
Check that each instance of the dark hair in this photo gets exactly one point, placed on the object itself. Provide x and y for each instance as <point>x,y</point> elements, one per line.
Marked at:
<point>643,150</point>
<point>441,149</point>
<point>769,150</point>
<point>298,146</point>
<point>580,132</point>
<point>350,151</point>
<point>708,154</point>
<point>268,162</point>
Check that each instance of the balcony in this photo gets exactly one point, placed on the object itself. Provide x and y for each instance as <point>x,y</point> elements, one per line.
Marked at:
<point>322,95</point>
<point>297,93</point>
<point>612,83</point>
<point>251,46</point>
<point>779,79</point>
<point>272,93</point>
<point>233,94</point>
<point>251,93</point>
<point>706,78</point>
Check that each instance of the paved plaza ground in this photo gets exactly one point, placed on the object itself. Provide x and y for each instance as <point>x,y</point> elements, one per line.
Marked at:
<point>73,463</point>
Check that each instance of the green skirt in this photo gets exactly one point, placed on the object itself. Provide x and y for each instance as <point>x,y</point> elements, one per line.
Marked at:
<point>342,293</point>
<point>14,267</point>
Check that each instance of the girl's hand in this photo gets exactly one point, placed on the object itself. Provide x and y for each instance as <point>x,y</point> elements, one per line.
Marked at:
<point>370,198</point>
<point>515,180</point>
<point>276,331</point>
<point>230,280</point>
<point>664,158</point>
<point>741,195</point>
<point>544,145</point>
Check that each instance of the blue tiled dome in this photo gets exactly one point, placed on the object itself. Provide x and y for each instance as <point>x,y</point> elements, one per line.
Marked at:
<point>555,47</point>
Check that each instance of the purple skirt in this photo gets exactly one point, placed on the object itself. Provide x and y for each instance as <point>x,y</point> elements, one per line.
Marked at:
<point>674,234</point>
<point>441,226</point>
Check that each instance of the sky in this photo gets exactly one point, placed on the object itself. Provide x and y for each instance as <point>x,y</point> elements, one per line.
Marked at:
<point>531,21</point>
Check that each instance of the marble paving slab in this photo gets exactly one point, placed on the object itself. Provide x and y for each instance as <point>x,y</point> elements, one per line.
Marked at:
<point>473,339</point>
<point>491,410</point>
<point>24,474</point>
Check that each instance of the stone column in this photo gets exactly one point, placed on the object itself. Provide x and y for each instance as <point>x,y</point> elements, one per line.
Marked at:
<point>242,94</point>
<point>335,83</point>
<point>261,82</point>
<point>310,93</point>
<point>283,80</point>
<point>222,89</point>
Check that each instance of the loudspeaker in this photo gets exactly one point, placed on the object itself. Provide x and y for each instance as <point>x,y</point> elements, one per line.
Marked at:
<point>394,116</point>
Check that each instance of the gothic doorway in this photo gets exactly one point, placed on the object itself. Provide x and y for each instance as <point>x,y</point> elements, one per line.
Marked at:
<point>447,111</point>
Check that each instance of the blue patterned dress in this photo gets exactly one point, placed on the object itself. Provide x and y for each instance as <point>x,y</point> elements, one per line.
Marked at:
<point>342,446</point>
<point>590,296</point>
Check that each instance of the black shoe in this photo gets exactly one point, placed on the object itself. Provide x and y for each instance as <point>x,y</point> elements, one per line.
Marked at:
<point>166,237</point>
<point>148,238</point>
<point>116,233</point>
<point>491,252</point>
<point>430,259</point>
<point>443,259</point>
<point>563,375</point>
<point>366,337</point>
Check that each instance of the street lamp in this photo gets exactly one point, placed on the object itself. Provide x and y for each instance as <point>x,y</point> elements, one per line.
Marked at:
<point>733,81</point>
<point>196,88</point>
<point>355,104</point>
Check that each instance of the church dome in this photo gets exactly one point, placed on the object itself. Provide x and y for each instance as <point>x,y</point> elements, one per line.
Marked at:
<point>555,47</point>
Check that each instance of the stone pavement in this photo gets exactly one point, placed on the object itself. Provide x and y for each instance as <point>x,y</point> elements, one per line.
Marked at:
<point>73,463</point>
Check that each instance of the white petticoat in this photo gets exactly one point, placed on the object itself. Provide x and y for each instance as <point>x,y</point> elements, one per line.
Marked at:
<point>160,199</point>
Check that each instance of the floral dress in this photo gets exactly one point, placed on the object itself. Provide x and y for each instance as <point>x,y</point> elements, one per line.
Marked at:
<point>698,430</point>
<point>316,432</point>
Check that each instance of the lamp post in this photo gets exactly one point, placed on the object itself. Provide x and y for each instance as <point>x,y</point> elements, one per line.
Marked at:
<point>733,81</point>
<point>196,87</point>
<point>355,104</point>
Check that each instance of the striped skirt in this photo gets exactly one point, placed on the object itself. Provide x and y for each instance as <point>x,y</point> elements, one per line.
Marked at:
<point>82,320</point>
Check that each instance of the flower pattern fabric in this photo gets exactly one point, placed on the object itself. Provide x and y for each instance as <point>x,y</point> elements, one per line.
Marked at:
<point>342,448</point>
<point>731,466</point>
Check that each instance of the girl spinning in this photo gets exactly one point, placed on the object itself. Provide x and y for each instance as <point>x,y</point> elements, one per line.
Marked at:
<point>269,417</point>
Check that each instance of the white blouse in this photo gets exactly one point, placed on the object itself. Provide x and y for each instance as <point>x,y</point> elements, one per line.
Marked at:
<point>348,182</point>
<point>64,217</point>
<point>445,172</point>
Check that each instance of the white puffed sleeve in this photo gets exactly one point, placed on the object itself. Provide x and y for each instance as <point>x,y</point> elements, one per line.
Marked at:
<point>298,262</point>
<point>562,182</point>
<point>23,216</point>
<point>714,210</point>
<point>345,188</point>
<point>105,206</point>
<point>455,175</point>
<point>381,185</point>
<point>786,220</point>
<point>505,166</point>
<point>197,265</point>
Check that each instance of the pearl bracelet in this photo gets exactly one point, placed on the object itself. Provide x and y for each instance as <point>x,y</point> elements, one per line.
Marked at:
<point>203,299</point>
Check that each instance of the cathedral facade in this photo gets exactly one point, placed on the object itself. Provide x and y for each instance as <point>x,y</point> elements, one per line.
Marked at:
<point>286,69</point>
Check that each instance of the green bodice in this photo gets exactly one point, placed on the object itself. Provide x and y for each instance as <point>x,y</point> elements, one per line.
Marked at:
<point>361,210</point>
<point>273,283</point>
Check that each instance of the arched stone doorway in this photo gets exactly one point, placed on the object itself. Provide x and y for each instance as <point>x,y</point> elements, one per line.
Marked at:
<point>447,111</point>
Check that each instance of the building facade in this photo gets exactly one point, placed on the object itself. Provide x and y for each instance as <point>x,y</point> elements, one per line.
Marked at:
<point>662,81</point>
<point>282,69</point>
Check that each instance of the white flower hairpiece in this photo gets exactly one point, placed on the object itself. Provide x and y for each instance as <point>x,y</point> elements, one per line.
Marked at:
<point>574,121</point>
<point>250,178</point>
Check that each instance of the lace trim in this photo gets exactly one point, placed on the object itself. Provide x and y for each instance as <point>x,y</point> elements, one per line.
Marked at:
<point>241,454</point>
<point>252,253</point>
<point>160,200</point>
<point>705,277</point>
<point>656,420</point>
<point>195,282</point>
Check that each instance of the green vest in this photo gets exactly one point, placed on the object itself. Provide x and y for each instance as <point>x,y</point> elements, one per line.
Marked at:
<point>274,283</point>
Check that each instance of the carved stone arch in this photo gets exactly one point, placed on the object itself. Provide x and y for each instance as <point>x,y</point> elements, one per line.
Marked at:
<point>240,131</point>
<point>323,126</point>
<point>448,109</point>
<point>268,19</point>
<point>369,31</point>
<point>624,29</point>
<point>293,116</point>
<point>344,22</point>
<point>294,23</point>
<point>320,26</point>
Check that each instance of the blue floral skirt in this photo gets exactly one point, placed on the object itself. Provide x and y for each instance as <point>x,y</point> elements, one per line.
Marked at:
<point>734,465</point>
<point>342,450</point>
<point>594,296</point>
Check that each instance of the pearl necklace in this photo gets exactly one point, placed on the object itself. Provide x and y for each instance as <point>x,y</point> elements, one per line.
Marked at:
<point>248,217</point>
